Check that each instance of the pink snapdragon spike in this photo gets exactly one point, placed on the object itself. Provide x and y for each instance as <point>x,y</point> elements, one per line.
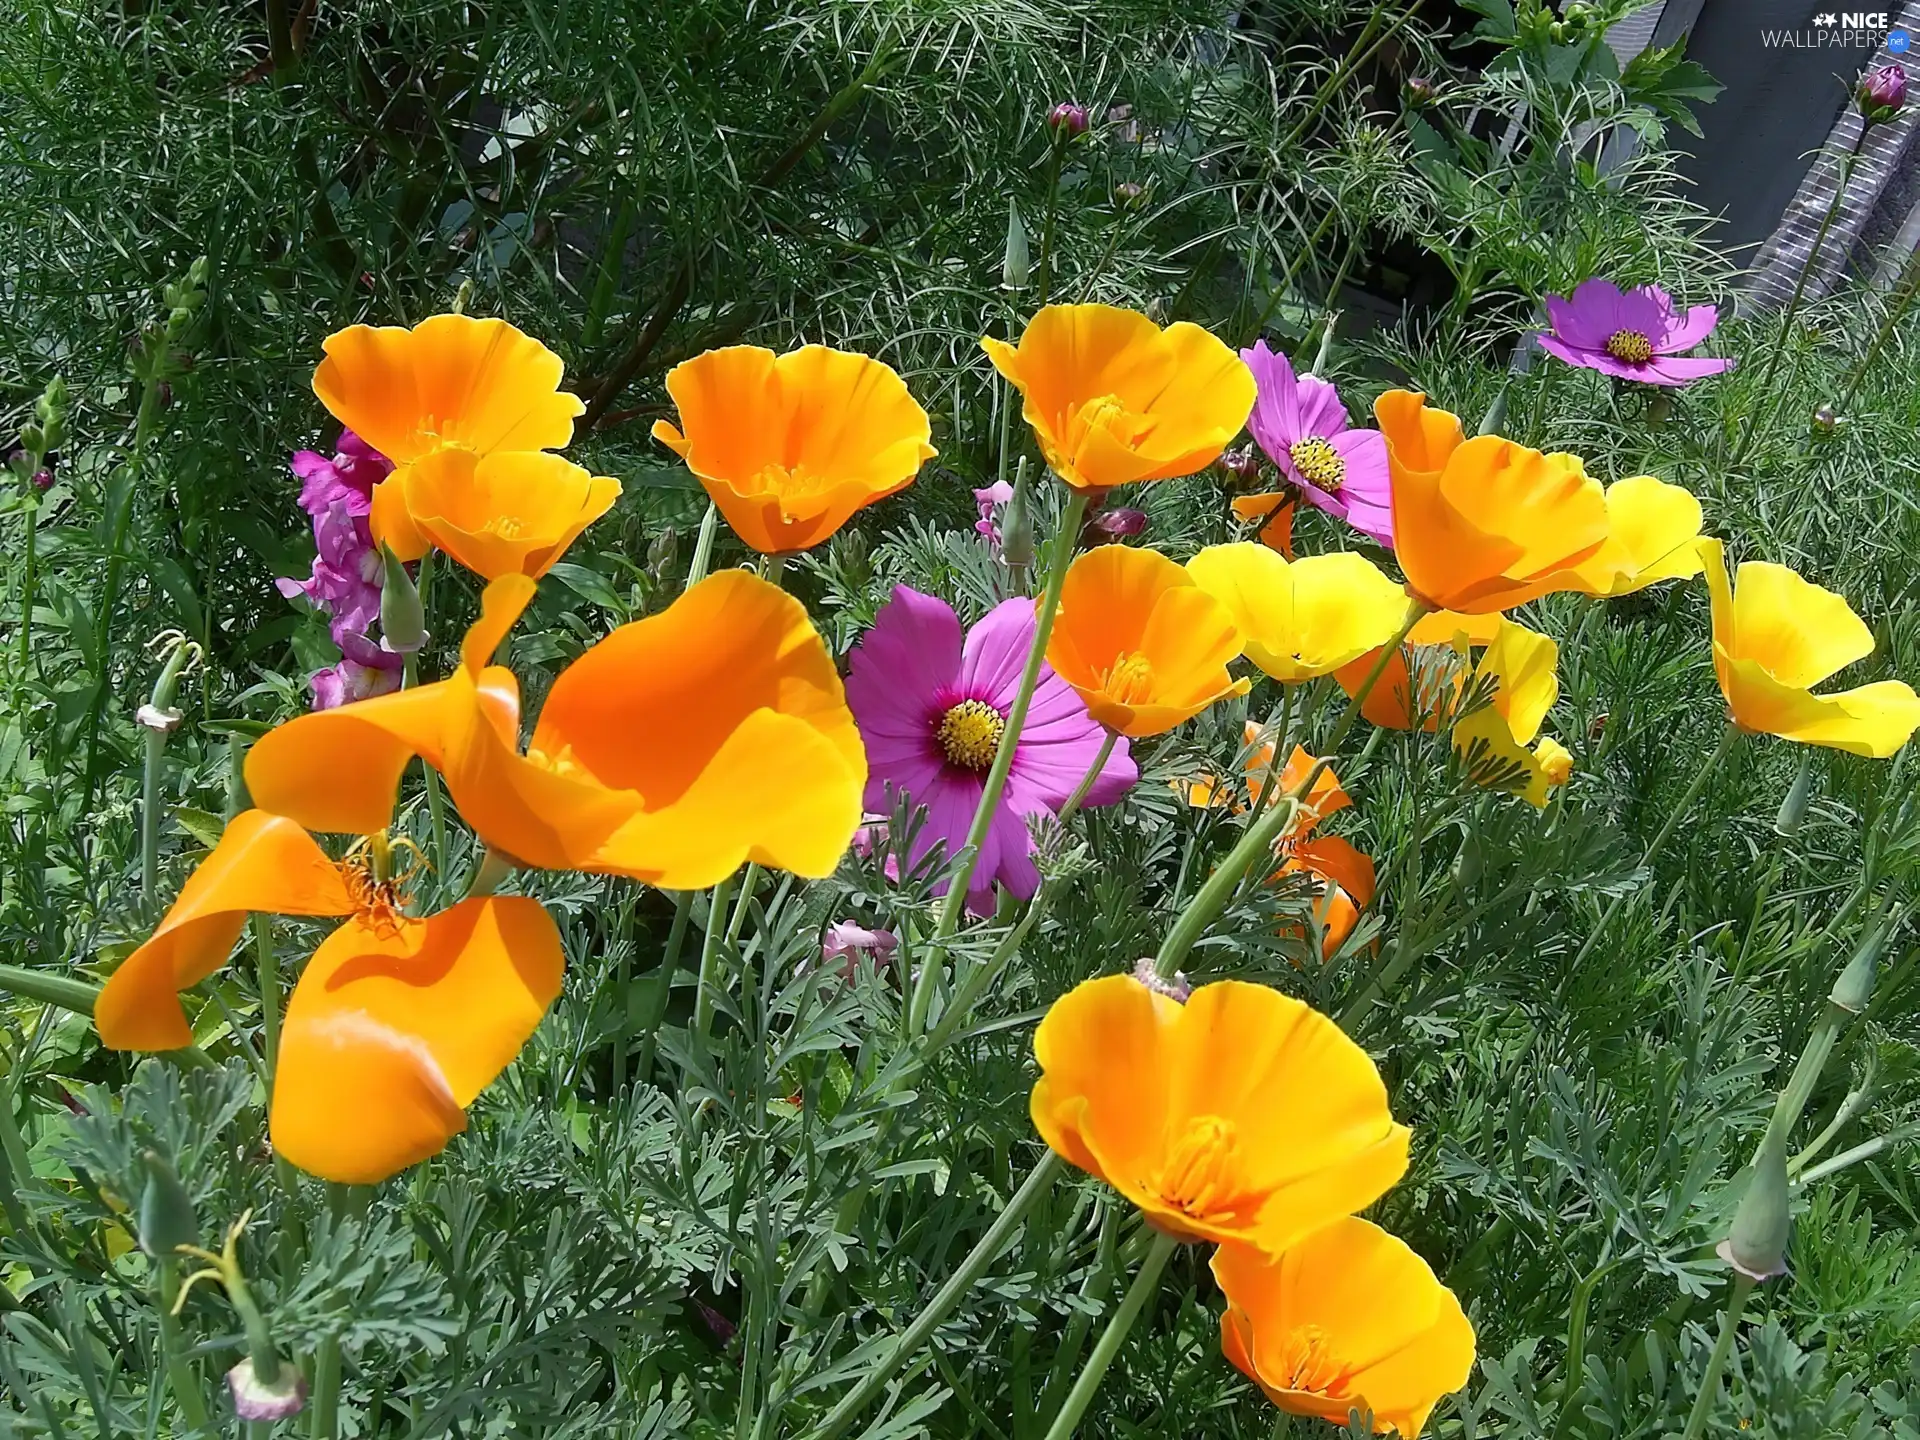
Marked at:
<point>990,499</point>
<point>344,583</point>
<point>1632,334</point>
<point>932,702</point>
<point>1303,427</point>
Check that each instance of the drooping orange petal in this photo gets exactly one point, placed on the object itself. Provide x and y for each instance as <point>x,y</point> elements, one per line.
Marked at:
<point>1342,862</point>
<point>479,385</point>
<point>262,863</point>
<point>394,1031</point>
<point>1327,797</point>
<point>1273,513</point>
<point>339,770</point>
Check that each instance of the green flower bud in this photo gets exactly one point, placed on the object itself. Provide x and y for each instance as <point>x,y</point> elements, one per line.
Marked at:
<point>1016,268</point>
<point>1016,523</point>
<point>1854,989</point>
<point>166,1217</point>
<point>1757,1246</point>
<point>1496,415</point>
<point>1793,809</point>
<point>403,621</point>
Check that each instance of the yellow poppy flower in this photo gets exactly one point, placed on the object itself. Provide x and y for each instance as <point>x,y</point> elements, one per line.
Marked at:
<point>397,1023</point>
<point>1113,398</point>
<point>1306,618</point>
<point>510,513</point>
<point>1775,637</point>
<point>1349,1318</point>
<point>789,446</point>
<point>1241,1115</point>
<point>453,380</point>
<point>1653,534</point>
<point>1143,646</point>
<point>674,751</point>
<point>1484,524</point>
<point>1514,686</point>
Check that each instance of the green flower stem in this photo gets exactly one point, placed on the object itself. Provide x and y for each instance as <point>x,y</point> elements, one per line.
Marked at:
<point>1144,1285</point>
<point>490,874</point>
<point>710,959</point>
<point>888,1363</point>
<point>1849,1110</point>
<point>1263,830</point>
<point>31,518</point>
<point>1722,1348</point>
<point>1792,1101</point>
<point>267,961</point>
<point>1044,270</point>
<point>663,983</point>
<point>13,1158</point>
<point>1088,780</point>
<point>703,546</point>
<point>49,989</point>
<point>1765,388</point>
<point>181,1378</point>
<point>1728,737</point>
<point>155,755</point>
<point>1896,312</point>
<point>1865,1150</point>
<point>1016,719</point>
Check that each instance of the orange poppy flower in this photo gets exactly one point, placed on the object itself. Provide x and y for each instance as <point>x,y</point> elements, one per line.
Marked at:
<point>510,513</point>
<point>1349,1318</point>
<point>789,446</point>
<point>453,380</point>
<point>1273,513</point>
<point>1113,398</point>
<point>1775,637</point>
<point>397,1023</point>
<point>1484,524</point>
<point>1142,645</point>
<point>1242,1115</point>
<point>675,750</point>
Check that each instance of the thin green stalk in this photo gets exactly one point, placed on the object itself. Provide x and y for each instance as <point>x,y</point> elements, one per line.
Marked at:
<point>883,1368</point>
<point>1044,270</point>
<point>1353,61</point>
<point>181,1378</point>
<point>1787,317</point>
<point>49,989</point>
<point>1016,719</point>
<point>1265,828</point>
<point>1792,1101</point>
<point>1088,780</point>
<point>703,546</point>
<point>1719,752</point>
<point>29,540</point>
<point>710,959</point>
<point>1896,312</point>
<point>1404,953</point>
<point>1145,1284</point>
<point>13,1156</point>
<point>154,757</point>
<point>1865,1150</point>
<point>1722,1348</point>
<point>267,961</point>
<point>663,983</point>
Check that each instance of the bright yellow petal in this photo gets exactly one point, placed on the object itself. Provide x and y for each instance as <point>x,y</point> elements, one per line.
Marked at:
<point>1519,664</point>
<point>1494,759</point>
<point>262,863</point>
<point>480,385</point>
<point>1449,627</point>
<point>1653,532</point>
<point>394,1030</point>
<point>1343,607</point>
<point>1874,720</point>
<point>1798,632</point>
<point>1255,585</point>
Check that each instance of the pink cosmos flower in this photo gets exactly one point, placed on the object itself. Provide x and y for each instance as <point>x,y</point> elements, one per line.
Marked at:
<point>932,705</point>
<point>1303,427</point>
<point>1632,334</point>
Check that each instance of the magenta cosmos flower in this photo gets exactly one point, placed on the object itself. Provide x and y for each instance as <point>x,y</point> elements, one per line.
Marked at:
<point>1303,427</point>
<point>1632,334</point>
<point>932,707</point>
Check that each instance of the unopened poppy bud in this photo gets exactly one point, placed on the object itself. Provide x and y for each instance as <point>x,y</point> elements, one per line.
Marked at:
<point>1467,864</point>
<point>1158,310</point>
<point>1129,196</point>
<point>1176,988</point>
<point>403,621</point>
<point>1119,524</point>
<point>1825,421</point>
<point>1882,93</point>
<point>1854,989</point>
<point>1016,524</point>
<point>51,411</point>
<point>662,551</point>
<point>1067,120</point>
<point>256,1399</point>
<point>1016,268</point>
<point>1793,809</point>
<point>1757,1246</point>
<point>1421,91</point>
<point>166,1218</point>
<point>1496,415</point>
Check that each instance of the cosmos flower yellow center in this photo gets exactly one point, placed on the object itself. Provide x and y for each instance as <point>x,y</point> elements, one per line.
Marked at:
<point>970,733</point>
<point>1308,1362</point>
<point>1319,463</point>
<point>1128,679</point>
<point>1632,346</point>
<point>1198,1174</point>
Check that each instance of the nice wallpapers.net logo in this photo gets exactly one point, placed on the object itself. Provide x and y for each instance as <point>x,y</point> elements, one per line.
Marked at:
<point>1842,30</point>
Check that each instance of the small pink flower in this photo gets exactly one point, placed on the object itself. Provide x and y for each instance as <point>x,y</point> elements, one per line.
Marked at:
<point>1882,93</point>
<point>1304,429</point>
<point>845,944</point>
<point>989,500</point>
<point>1631,334</point>
<point>1119,524</point>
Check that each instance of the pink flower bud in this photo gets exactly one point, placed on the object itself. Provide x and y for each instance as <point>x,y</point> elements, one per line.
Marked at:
<point>1242,465</point>
<point>842,947</point>
<point>1119,524</point>
<point>1882,93</point>
<point>1067,120</point>
<point>43,479</point>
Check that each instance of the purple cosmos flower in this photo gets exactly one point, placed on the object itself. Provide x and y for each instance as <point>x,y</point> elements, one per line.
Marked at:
<point>932,705</point>
<point>1632,335</point>
<point>1303,427</point>
<point>344,583</point>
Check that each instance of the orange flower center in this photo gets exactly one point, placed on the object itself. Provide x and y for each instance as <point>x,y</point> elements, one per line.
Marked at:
<point>1319,464</point>
<point>1129,680</point>
<point>1632,346</point>
<point>1309,1363</point>
<point>786,480</point>
<point>381,903</point>
<point>970,733</point>
<point>560,762</point>
<point>1201,1172</point>
<point>1108,413</point>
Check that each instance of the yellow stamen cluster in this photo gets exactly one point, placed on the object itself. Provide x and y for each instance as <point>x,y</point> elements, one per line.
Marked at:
<point>1631,346</point>
<point>970,733</point>
<point>1319,464</point>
